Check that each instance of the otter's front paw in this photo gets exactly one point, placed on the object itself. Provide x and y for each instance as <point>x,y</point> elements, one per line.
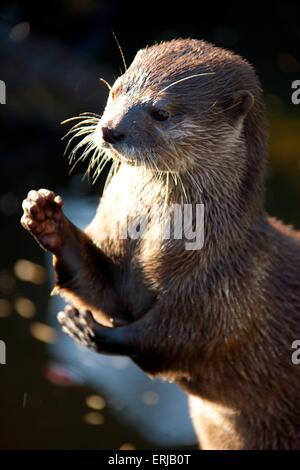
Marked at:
<point>44,219</point>
<point>80,325</point>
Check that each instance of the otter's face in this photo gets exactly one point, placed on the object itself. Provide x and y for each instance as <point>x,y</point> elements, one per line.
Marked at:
<point>177,107</point>
<point>140,126</point>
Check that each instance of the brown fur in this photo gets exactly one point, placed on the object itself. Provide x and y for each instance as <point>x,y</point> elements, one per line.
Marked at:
<point>219,321</point>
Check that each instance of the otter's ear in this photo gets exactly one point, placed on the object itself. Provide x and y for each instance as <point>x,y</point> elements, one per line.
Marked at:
<point>239,105</point>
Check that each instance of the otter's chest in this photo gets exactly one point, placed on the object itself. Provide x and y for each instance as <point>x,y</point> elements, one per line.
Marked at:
<point>132,226</point>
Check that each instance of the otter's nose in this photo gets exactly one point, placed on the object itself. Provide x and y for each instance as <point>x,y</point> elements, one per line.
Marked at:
<point>111,135</point>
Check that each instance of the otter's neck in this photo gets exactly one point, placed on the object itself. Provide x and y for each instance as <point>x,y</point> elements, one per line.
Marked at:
<point>233,203</point>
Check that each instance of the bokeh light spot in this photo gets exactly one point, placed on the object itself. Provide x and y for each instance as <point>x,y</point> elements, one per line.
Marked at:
<point>26,270</point>
<point>42,332</point>
<point>120,362</point>
<point>20,31</point>
<point>7,282</point>
<point>95,402</point>
<point>150,398</point>
<point>94,418</point>
<point>25,307</point>
<point>5,308</point>
<point>127,446</point>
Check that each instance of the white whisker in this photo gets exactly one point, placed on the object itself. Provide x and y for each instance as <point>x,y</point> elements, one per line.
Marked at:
<point>121,51</point>
<point>184,79</point>
<point>105,83</point>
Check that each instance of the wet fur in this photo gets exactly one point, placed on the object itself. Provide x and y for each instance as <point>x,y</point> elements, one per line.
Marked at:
<point>220,321</point>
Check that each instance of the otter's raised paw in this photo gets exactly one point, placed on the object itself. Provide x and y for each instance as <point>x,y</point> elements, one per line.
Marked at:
<point>44,219</point>
<point>79,325</point>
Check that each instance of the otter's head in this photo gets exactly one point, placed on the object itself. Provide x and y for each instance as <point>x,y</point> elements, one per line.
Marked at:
<point>184,104</point>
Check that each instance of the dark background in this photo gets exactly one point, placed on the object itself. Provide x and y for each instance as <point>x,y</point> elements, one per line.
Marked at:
<point>51,57</point>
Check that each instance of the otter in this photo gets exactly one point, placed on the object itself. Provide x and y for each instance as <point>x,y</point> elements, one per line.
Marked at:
<point>186,124</point>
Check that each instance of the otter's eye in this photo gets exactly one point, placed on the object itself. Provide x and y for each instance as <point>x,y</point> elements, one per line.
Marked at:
<point>159,114</point>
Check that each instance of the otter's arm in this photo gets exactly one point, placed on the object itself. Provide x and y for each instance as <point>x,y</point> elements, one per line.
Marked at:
<point>157,342</point>
<point>83,273</point>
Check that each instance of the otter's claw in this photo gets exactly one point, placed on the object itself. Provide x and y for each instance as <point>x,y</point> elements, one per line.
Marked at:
<point>79,325</point>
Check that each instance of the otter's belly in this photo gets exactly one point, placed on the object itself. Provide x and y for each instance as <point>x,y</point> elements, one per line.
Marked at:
<point>215,425</point>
